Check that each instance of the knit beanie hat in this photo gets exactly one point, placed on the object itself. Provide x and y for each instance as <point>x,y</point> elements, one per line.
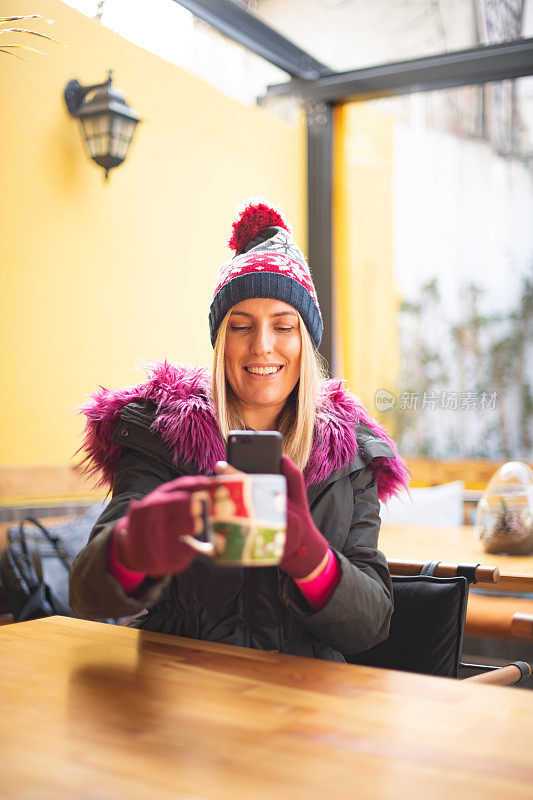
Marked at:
<point>267,263</point>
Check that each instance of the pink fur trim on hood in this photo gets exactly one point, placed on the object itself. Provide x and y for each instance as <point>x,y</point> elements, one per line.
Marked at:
<point>187,423</point>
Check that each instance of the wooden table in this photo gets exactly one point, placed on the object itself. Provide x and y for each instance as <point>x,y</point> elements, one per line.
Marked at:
<point>456,545</point>
<point>96,712</point>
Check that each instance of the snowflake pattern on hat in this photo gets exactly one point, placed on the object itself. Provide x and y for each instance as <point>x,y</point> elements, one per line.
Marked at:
<point>276,263</point>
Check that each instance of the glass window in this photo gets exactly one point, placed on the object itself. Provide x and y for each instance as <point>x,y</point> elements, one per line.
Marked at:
<point>438,191</point>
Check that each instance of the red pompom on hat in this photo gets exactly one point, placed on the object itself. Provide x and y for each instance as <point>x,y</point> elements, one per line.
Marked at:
<point>267,263</point>
<point>254,219</point>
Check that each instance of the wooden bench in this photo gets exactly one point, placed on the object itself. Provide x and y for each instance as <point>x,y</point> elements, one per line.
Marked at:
<point>476,473</point>
<point>499,617</point>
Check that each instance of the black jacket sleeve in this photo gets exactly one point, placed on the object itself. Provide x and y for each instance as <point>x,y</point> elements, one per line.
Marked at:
<point>94,592</point>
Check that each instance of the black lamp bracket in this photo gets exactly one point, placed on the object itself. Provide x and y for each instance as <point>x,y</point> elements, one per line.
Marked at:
<point>75,93</point>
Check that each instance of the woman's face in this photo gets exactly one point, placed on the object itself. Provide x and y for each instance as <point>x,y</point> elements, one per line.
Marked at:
<point>263,350</point>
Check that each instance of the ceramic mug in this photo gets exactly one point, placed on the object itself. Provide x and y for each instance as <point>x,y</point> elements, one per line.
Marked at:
<point>245,520</point>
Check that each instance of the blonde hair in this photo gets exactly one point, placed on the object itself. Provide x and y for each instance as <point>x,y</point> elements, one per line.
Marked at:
<point>297,419</point>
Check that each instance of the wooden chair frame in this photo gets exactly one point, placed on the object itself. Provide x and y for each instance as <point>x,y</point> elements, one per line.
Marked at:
<point>514,673</point>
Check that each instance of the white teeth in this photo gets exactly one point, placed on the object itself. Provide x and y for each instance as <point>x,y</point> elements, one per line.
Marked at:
<point>262,370</point>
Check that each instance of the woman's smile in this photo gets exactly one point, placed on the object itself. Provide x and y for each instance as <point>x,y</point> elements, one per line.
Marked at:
<point>263,371</point>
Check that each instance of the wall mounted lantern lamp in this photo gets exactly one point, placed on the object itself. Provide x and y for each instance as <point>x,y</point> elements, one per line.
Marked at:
<point>107,121</point>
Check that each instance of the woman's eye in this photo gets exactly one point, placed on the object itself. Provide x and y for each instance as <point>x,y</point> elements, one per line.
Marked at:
<point>247,328</point>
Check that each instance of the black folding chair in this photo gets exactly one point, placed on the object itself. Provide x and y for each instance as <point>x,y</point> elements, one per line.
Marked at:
<point>428,622</point>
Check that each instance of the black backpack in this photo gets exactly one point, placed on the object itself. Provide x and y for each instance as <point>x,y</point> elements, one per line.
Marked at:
<point>36,564</point>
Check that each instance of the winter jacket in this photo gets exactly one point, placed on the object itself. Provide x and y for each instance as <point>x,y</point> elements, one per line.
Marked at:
<point>143,436</point>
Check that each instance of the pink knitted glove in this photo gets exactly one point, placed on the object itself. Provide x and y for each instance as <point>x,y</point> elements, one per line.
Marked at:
<point>147,539</point>
<point>305,547</point>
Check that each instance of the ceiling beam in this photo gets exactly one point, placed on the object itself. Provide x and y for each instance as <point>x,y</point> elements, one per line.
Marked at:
<point>476,65</point>
<point>234,20</point>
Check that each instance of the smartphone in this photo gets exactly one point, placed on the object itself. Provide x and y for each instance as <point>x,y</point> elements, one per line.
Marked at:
<point>255,451</point>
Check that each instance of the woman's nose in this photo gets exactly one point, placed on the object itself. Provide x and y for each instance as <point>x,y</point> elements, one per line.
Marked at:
<point>262,341</point>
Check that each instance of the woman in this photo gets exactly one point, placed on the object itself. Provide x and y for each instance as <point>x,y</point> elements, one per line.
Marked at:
<point>153,443</point>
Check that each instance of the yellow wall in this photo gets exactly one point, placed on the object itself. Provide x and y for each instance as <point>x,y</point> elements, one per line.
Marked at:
<point>97,278</point>
<point>366,299</point>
